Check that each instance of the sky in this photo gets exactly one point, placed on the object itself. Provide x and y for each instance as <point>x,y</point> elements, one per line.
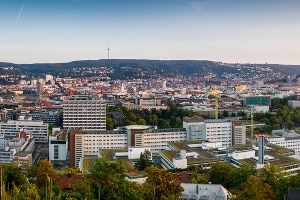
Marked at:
<point>232,31</point>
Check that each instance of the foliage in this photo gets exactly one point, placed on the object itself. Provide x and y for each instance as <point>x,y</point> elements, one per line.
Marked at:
<point>276,178</point>
<point>108,180</point>
<point>45,171</point>
<point>70,170</point>
<point>12,175</point>
<point>198,178</point>
<point>254,189</point>
<point>144,161</point>
<point>241,175</point>
<point>160,185</point>
<point>109,123</point>
<point>31,173</point>
<point>169,118</point>
<point>220,173</point>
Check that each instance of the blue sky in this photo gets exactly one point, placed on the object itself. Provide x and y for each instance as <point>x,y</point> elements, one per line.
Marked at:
<point>256,31</point>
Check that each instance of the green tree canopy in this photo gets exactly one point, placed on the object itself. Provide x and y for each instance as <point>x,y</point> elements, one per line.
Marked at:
<point>254,189</point>
<point>144,161</point>
<point>220,173</point>
<point>160,185</point>
<point>108,181</point>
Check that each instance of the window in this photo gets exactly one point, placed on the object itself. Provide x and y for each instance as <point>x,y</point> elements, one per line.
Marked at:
<point>55,152</point>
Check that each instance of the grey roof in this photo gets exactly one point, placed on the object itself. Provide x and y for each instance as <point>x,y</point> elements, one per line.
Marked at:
<point>204,192</point>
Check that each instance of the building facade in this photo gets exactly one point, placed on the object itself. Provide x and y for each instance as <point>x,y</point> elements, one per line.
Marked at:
<point>39,129</point>
<point>84,112</point>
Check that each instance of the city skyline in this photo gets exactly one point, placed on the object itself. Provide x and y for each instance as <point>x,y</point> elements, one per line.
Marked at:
<point>217,30</point>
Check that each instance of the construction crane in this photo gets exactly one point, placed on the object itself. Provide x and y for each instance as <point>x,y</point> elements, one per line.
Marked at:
<point>215,94</point>
<point>252,124</point>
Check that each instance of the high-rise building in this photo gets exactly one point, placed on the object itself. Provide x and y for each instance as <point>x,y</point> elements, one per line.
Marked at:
<point>238,133</point>
<point>84,112</point>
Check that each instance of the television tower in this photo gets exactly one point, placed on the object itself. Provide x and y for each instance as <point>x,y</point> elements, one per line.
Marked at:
<point>108,52</point>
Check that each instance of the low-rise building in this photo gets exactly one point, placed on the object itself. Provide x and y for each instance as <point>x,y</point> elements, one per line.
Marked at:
<point>290,140</point>
<point>204,191</point>
<point>39,129</point>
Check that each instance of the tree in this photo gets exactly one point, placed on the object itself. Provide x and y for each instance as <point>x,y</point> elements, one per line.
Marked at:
<point>12,175</point>
<point>141,121</point>
<point>144,161</point>
<point>255,189</point>
<point>241,175</point>
<point>29,191</point>
<point>109,123</point>
<point>45,172</point>
<point>276,178</point>
<point>31,173</point>
<point>153,120</point>
<point>220,173</point>
<point>198,178</point>
<point>70,170</point>
<point>108,181</point>
<point>160,185</point>
<point>295,181</point>
<point>225,113</point>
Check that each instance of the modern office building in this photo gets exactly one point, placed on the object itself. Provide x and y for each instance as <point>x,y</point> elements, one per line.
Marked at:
<point>289,140</point>
<point>219,130</point>
<point>238,133</point>
<point>84,112</point>
<point>58,146</point>
<point>257,100</point>
<point>39,129</point>
<point>195,128</point>
<point>90,143</point>
<point>213,130</point>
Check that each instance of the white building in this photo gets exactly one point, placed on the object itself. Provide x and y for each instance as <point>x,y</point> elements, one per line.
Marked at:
<point>89,143</point>
<point>289,140</point>
<point>211,145</point>
<point>219,131</point>
<point>135,152</point>
<point>18,150</point>
<point>289,143</point>
<point>213,130</point>
<point>84,112</point>
<point>238,133</point>
<point>39,129</point>
<point>58,146</point>
<point>294,104</point>
<point>158,139</point>
<point>49,77</point>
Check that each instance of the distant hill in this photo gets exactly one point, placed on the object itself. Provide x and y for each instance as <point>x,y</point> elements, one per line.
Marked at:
<point>123,69</point>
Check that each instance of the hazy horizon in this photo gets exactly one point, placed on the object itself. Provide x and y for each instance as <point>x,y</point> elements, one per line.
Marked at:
<point>231,31</point>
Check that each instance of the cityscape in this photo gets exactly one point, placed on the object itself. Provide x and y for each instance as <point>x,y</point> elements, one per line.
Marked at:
<point>192,100</point>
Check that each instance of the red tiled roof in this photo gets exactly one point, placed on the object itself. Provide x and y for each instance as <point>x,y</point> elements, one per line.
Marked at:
<point>67,181</point>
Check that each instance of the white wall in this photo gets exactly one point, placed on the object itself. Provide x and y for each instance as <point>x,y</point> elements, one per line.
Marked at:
<point>135,152</point>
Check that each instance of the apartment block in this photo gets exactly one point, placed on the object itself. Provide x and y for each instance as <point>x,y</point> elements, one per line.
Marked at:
<point>84,112</point>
